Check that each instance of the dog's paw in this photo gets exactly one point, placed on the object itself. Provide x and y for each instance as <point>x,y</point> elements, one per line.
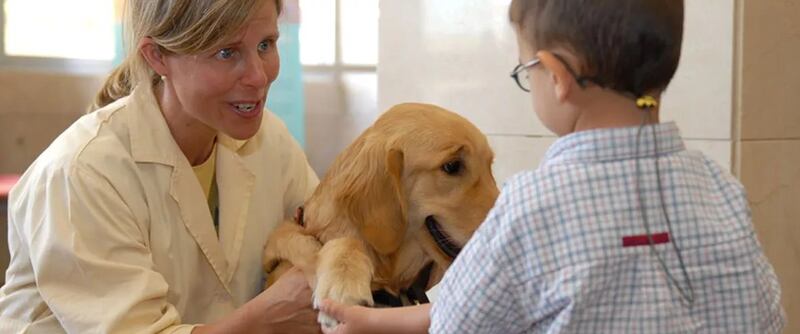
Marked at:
<point>327,322</point>
<point>343,290</point>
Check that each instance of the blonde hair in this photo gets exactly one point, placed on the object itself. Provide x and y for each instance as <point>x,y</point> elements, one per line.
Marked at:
<point>176,26</point>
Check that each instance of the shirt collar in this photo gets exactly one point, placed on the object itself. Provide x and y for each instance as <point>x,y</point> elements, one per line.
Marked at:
<point>615,144</point>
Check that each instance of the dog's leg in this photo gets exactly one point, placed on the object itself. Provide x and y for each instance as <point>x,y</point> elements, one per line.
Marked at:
<point>289,243</point>
<point>344,274</point>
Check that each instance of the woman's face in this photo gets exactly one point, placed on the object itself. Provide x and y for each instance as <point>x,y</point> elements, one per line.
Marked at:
<point>225,89</point>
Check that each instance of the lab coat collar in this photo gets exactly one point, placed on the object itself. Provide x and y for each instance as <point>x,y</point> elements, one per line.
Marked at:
<point>151,139</point>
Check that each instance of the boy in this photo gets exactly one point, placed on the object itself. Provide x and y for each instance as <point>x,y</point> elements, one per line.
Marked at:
<point>620,229</point>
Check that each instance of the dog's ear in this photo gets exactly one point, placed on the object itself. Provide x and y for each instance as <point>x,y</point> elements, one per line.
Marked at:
<point>371,192</point>
<point>385,230</point>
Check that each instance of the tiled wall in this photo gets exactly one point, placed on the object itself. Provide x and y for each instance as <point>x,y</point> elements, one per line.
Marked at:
<point>459,55</point>
<point>769,131</point>
<point>338,109</point>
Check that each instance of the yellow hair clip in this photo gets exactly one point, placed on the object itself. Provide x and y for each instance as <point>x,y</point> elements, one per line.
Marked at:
<point>646,102</point>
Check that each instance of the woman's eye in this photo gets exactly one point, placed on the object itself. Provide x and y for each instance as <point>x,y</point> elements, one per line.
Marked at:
<point>452,167</point>
<point>225,53</point>
<point>264,46</point>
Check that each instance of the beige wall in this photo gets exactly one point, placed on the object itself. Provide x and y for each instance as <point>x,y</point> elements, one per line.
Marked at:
<point>34,108</point>
<point>37,106</point>
<point>768,146</point>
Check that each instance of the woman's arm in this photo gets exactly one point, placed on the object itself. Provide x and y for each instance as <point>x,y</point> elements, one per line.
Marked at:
<point>364,320</point>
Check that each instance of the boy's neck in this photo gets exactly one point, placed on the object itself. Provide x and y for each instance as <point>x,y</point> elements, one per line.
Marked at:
<point>600,109</point>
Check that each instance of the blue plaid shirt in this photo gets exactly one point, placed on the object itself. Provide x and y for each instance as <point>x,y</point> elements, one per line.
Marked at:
<point>550,258</point>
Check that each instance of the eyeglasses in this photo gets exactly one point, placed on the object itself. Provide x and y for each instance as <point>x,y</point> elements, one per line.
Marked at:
<point>524,83</point>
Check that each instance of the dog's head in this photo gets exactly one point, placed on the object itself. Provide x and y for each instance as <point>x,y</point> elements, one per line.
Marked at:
<point>418,163</point>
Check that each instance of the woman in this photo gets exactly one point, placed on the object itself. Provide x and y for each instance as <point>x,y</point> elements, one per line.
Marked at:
<point>149,215</point>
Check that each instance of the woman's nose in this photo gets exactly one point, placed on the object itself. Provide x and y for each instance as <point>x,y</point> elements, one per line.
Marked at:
<point>255,72</point>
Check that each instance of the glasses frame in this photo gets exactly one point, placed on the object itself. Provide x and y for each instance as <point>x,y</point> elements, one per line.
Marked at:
<point>523,67</point>
<point>582,81</point>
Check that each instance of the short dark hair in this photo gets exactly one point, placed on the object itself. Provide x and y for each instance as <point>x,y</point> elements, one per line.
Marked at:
<point>631,46</point>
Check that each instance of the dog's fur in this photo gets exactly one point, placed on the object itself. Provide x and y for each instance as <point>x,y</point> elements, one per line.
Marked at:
<point>365,223</point>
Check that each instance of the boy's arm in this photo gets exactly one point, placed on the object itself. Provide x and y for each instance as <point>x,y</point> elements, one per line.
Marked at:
<point>364,320</point>
<point>480,292</point>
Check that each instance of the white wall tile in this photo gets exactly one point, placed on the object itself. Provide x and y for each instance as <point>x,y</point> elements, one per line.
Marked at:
<point>457,54</point>
<point>337,111</point>
<point>700,96</point>
<point>514,154</point>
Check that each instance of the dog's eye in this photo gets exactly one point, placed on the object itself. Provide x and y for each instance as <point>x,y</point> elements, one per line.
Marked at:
<point>452,167</point>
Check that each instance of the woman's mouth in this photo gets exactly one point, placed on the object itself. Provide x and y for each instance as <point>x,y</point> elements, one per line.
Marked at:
<point>247,109</point>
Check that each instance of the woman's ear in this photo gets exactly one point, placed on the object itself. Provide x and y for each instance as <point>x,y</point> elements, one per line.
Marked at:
<point>562,79</point>
<point>153,55</point>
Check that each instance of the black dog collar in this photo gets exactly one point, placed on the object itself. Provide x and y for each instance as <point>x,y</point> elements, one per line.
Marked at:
<point>442,240</point>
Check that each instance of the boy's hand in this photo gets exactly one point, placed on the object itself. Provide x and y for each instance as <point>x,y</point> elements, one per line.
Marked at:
<point>365,320</point>
<point>352,319</point>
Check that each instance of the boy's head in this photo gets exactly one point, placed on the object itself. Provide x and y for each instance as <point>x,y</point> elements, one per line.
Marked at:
<point>629,46</point>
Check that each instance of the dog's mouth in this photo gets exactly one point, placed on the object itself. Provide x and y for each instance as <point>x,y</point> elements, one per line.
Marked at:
<point>443,241</point>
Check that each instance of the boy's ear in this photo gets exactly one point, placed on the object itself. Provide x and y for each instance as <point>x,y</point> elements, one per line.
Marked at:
<point>563,82</point>
<point>153,55</point>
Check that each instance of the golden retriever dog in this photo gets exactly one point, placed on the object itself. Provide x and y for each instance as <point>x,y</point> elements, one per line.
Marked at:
<point>406,195</point>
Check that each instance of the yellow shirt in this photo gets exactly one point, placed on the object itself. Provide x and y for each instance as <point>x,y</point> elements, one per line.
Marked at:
<point>205,175</point>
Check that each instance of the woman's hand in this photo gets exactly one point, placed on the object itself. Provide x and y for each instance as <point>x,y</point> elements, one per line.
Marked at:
<point>285,307</point>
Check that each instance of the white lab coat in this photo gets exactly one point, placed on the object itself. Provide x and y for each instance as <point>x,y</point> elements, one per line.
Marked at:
<point>110,232</point>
